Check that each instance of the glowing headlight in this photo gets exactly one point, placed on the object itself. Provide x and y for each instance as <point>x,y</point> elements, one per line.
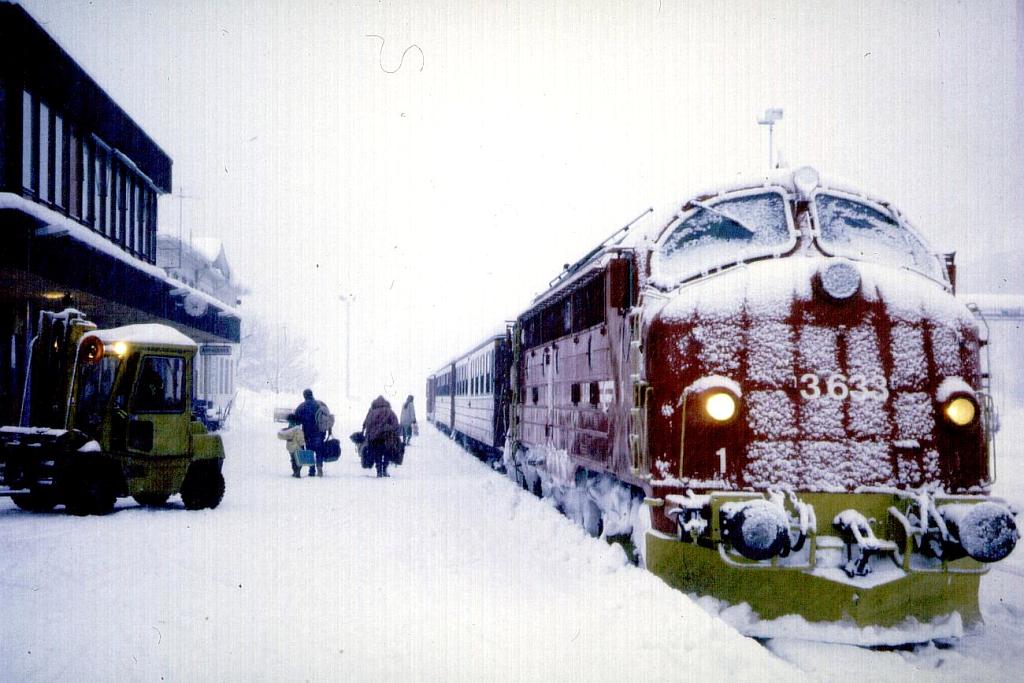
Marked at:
<point>960,411</point>
<point>720,406</point>
<point>120,348</point>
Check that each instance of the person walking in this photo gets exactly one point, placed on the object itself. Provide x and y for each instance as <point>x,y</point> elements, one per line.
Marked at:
<point>294,441</point>
<point>407,421</point>
<point>381,430</point>
<point>306,413</point>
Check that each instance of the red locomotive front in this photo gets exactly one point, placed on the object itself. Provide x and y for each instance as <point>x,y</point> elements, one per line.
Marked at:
<point>794,392</point>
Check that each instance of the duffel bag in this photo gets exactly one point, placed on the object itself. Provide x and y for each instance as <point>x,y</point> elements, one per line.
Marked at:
<point>395,448</point>
<point>330,450</point>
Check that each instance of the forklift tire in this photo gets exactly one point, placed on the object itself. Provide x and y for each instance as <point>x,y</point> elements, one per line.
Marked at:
<point>91,493</point>
<point>35,501</point>
<point>203,486</point>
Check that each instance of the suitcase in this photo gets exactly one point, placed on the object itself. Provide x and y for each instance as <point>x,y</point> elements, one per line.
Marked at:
<point>365,457</point>
<point>330,451</point>
<point>304,456</point>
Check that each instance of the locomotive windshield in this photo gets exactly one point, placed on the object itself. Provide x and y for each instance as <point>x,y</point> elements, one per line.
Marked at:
<point>859,231</point>
<point>723,232</point>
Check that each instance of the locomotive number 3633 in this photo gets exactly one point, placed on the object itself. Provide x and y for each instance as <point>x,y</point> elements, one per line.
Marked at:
<point>839,387</point>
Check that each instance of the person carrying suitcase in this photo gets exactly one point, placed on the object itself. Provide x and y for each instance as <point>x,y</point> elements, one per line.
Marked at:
<point>381,430</point>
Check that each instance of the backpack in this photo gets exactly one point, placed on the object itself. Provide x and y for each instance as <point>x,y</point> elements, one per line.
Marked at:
<point>324,419</point>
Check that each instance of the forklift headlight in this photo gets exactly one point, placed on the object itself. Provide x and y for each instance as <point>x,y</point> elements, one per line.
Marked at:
<point>91,350</point>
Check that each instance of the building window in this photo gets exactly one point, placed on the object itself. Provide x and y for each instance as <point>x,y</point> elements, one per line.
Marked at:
<point>29,160</point>
<point>44,153</point>
<point>87,183</point>
<point>108,202</point>
<point>100,189</point>
<point>74,174</point>
<point>122,205</point>
<point>58,161</point>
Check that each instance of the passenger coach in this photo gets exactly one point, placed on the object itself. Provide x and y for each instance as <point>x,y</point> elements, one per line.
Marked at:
<point>468,397</point>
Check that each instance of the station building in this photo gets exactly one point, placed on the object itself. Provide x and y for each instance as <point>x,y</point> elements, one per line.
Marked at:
<point>201,263</point>
<point>79,181</point>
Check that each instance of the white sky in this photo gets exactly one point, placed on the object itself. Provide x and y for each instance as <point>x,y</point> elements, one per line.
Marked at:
<point>443,199</point>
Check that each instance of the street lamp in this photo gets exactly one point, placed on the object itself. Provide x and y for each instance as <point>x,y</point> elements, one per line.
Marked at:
<point>347,299</point>
<point>769,119</point>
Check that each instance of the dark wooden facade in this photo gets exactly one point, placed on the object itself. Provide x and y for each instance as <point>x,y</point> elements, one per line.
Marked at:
<point>79,181</point>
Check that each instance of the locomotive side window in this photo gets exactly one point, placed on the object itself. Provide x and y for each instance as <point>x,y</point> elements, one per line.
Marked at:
<point>860,231</point>
<point>723,232</point>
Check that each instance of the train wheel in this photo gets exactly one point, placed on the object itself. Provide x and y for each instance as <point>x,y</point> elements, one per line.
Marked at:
<point>593,521</point>
<point>641,518</point>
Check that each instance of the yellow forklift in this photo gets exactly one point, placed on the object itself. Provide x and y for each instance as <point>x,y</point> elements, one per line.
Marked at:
<point>107,414</point>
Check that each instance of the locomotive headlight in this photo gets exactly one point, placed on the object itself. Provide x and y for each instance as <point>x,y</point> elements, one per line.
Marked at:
<point>720,406</point>
<point>960,411</point>
<point>840,280</point>
<point>120,348</point>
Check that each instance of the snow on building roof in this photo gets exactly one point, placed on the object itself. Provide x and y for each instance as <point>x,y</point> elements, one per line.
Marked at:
<point>51,220</point>
<point>210,248</point>
<point>148,333</point>
<point>207,255</point>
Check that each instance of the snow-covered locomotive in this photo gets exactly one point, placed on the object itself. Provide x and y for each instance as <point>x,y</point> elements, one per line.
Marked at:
<point>773,391</point>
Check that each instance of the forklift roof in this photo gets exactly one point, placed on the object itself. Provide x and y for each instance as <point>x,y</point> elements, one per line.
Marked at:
<point>150,333</point>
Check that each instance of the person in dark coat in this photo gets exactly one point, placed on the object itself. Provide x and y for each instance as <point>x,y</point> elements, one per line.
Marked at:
<point>306,412</point>
<point>381,430</point>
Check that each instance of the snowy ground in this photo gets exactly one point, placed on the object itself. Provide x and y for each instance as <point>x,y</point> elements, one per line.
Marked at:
<point>444,572</point>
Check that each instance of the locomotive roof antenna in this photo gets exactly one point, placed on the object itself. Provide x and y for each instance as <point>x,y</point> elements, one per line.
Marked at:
<point>571,268</point>
<point>769,119</point>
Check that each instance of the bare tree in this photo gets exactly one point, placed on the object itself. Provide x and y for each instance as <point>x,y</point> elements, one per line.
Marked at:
<point>272,358</point>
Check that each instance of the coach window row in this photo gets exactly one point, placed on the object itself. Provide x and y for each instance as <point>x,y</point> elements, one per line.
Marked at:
<point>75,173</point>
<point>443,386</point>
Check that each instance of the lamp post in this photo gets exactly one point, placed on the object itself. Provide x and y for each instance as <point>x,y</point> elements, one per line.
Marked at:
<point>347,299</point>
<point>769,119</point>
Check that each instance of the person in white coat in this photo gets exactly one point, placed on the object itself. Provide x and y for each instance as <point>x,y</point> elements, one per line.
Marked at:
<point>407,421</point>
<point>294,441</point>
